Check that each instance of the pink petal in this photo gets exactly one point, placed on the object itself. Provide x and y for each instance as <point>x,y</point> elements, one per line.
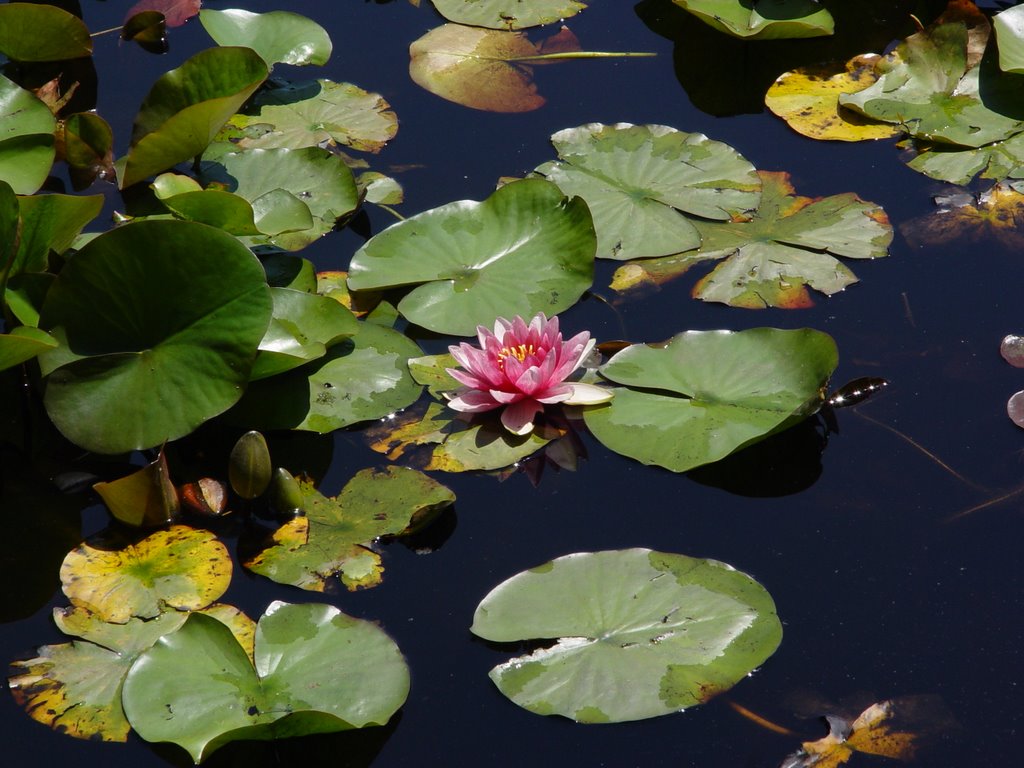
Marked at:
<point>468,379</point>
<point>472,401</point>
<point>518,417</point>
<point>505,397</point>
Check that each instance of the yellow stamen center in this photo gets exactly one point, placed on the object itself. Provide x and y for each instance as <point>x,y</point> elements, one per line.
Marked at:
<point>520,353</point>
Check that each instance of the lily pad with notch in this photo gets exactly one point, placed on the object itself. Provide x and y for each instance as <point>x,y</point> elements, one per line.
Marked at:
<point>524,250</point>
<point>788,245</point>
<point>637,633</point>
<point>150,367</point>
<point>316,670</point>
<point>705,394</point>
<point>639,180</point>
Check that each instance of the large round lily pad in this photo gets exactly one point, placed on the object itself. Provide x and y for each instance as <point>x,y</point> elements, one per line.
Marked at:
<point>705,394</point>
<point>160,322</point>
<point>316,671</point>
<point>639,633</point>
<point>524,250</point>
<point>638,180</point>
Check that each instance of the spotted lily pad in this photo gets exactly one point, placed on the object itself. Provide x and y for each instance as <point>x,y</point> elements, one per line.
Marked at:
<point>180,568</point>
<point>524,250</point>
<point>638,179</point>
<point>934,87</point>
<point>808,100</point>
<point>704,394</point>
<point>770,260</point>
<point>75,688</point>
<point>334,536</point>
<point>316,670</point>
<point>636,633</point>
<point>318,113</point>
<point>306,184</point>
<point>439,438</point>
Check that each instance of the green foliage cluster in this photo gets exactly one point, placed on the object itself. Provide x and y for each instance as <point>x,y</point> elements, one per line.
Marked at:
<point>195,310</point>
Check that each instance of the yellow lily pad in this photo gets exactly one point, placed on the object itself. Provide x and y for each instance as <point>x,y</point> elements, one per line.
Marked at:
<point>180,568</point>
<point>808,100</point>
<point>75,688</point>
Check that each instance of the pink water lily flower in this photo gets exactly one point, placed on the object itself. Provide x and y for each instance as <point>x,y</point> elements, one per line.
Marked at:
<point>521,368</point>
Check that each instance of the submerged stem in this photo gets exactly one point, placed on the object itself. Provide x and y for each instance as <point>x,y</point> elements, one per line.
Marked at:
<point>922,449</point>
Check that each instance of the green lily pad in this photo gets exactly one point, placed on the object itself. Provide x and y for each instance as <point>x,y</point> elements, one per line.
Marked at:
<point>179,568</point>
<point>439,438</point>
<point>508,14</point>
<point>25,295</point>
<point>432,372</point>
<point>217,208</point>
<point>762,19</point>
<point>524,250</point>
<point>706,394</point>
<point>787,246</point>
<point>639,633</point>
<point>998,161</point>
<point>27,146</point>
<point>38,32</point>
<point>318,113</point>
<point>314,177</point>
<point>88,148</point>
<point>303,326</point>
<point>359,379</point>
<point>23,343</point>
<point>636,179</point>
<point>75,688</point>
<point>186,108</point>
<point>279,37</point>
<point>316,671</point>
<point>1009,29</point>
<point>10,233</point>
<point>150,367</point>
<point>50,223</point>
<point>333,538</point>
<point>931,87</point>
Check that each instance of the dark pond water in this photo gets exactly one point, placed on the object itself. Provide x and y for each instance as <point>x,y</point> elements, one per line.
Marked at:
<point>879,594</point>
